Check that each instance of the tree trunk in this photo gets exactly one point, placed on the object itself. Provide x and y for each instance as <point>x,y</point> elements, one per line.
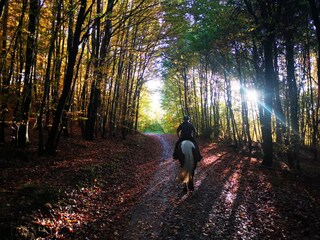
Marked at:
<point>294,136</point>
<point>112,92</point>
<point>244,106</point>
<point>268,98</point>
<point>278,111</point>
<point>2,4</point>
<point>27,89</point>
<point>95,91</point>
<point>4,83</point>
<point>53,135</point>
<point>216,111</point>
<point>126,84</point>
<point>3,52</point>
<point>315,8</point>
<point>185,88</point>
<point>47,78</point>
<point>228,105</point>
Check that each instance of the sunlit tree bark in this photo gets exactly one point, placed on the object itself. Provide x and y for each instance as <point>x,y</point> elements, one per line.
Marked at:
<point>246,136</point>
<point>315,9</point>
<point>100,47</point>
<point>44,103</point>
<point>34,10</point>
<point>72,54</point>
<point>4,81</point>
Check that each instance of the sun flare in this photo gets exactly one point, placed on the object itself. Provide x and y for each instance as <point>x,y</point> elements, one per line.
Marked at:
<point>252,95</point>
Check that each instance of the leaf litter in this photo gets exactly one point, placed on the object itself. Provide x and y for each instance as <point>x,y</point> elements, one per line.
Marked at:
<point>120,189</point>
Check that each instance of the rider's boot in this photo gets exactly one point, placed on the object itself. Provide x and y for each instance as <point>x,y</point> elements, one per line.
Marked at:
<point>175,152</point>
<point>175,155</point>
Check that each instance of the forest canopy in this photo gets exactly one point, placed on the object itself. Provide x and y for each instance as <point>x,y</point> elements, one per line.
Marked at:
<point>246,72</point>
<point>84,62</point>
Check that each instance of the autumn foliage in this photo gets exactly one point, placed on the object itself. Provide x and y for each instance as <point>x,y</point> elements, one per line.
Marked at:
<point>128,189</point>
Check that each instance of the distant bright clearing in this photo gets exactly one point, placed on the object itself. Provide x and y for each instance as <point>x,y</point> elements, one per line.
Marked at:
<point>154,88</point>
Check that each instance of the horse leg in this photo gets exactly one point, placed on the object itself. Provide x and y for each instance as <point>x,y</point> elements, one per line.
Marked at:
<point>185,188</point>
<point>190,184</point>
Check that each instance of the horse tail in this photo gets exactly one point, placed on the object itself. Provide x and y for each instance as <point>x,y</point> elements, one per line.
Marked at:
<point>189,164</point>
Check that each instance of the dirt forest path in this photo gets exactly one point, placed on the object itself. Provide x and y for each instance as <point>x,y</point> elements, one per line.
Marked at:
<point>234,198</point>
<point>148,216</point>
<point>127,190</point>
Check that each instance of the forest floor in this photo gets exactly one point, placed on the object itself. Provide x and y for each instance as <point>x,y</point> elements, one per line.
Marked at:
<point>128,189</point>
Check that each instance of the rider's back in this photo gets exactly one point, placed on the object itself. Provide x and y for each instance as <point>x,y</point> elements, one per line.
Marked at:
<point>186,129</point>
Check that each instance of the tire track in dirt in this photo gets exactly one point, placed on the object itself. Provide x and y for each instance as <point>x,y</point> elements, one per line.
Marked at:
<point>148,216</point>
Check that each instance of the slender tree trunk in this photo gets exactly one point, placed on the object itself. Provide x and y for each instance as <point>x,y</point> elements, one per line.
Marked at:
<point>206,97</point>
<point>268,98</point>
<point>196,103</point>
<point>228,105</point>
<point>295,135</point>
<point>112,92</point>
<point>124,119</point>
<point>313,106</point>
<point>244,106</point>
<point>95,91</point>
<point>47,78</point>
<point>84,93</point>
<point>59,53</point>
<point>278,111</point>
<point>4,81</point>
<point>2,4</point>
<point>315,8</point>
<point>53,135</point>
<point>138,107</point>
<point>185,88</point>
<point>4,84</point>
<point>27,89</point>
<point>216,111</point>
<point>19,80</point>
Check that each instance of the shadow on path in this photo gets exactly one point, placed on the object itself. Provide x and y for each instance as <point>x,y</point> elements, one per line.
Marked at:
<point>146,220</point>
<point>234,198</point>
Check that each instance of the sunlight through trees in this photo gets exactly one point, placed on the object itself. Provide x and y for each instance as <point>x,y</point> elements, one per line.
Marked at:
<point>247,72</point>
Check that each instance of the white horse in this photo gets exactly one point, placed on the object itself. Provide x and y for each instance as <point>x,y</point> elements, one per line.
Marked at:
<point>189,164</point>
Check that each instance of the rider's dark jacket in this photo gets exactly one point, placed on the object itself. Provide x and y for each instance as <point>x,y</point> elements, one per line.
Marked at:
<point>186,129</point>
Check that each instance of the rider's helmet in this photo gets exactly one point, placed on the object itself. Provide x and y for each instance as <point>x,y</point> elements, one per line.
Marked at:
<point>186,118</point>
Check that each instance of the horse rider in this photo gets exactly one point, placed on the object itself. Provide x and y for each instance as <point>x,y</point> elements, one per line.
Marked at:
<point>186,131</point>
